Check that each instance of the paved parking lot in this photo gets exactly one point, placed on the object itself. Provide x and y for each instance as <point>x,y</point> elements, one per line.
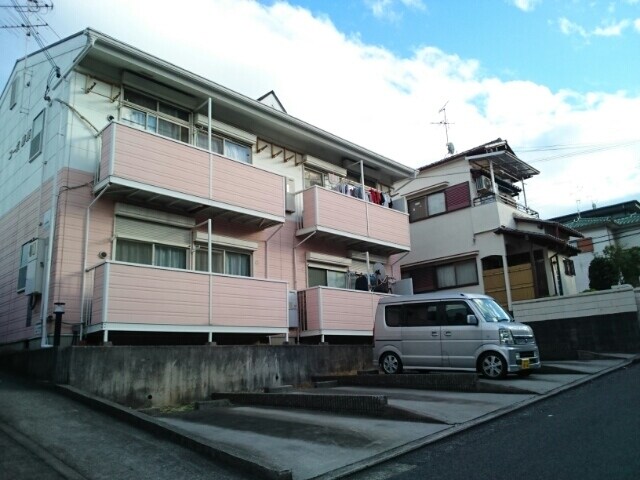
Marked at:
<point>313,444</point>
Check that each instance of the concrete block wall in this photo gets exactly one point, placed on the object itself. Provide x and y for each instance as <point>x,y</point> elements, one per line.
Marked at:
<point>158,376</point>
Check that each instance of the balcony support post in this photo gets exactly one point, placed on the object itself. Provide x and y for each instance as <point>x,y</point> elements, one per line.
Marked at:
<point>524,194</point>
<point>209,113</point>
<point>209,268</point>
<point>368,271</point>
<point>493,178</point>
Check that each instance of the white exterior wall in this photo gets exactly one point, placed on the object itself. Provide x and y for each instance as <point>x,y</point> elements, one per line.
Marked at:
<point>628,237</point>
<point>18,176</point>
<point>605,302</point>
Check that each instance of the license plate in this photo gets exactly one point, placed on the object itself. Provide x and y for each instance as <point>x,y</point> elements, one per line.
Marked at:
<point>525,363</point>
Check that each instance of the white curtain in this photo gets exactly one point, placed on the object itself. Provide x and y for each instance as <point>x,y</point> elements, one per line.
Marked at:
<point>134,252</point>
<point>466,273</point>
<point>173,257</point>
<point>446,276</point>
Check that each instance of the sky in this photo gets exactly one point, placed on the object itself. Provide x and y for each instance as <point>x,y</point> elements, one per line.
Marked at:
<point>558,79</point>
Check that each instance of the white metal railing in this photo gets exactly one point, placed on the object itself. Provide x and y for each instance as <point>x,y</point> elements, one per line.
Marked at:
<point>492,197</point>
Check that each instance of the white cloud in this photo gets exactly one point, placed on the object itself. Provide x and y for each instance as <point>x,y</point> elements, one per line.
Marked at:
<point>568,27</point>
<point>636,24</point>
<point>380,100</point>
<point>525,5</point>
<point>389,9</point>
<point>607,29</point>
<point>612,29</point>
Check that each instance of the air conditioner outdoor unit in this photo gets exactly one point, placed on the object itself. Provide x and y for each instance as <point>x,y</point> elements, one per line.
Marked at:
<point>483,184</point>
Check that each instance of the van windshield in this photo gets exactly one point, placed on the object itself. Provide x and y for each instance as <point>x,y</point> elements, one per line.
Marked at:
<point>491,311</point>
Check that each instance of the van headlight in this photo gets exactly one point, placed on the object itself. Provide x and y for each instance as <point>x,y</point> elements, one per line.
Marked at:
<point>506,337</point>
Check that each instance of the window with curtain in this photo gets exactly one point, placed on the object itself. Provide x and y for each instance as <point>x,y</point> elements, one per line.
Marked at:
<point>224,146</point>
<point>146,253</point>
<point>224,261</point>
<point>427,278</point>
<point>145,112</point>
<point>324,277</point>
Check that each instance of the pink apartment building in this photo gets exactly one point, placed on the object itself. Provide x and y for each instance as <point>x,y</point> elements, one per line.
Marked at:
<point>163,208</point>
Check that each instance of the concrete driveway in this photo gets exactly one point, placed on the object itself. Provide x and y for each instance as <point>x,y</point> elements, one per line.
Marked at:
<point>303,444</point>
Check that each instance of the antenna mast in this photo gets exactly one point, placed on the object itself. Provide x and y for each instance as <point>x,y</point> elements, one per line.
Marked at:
<point>445,123</point>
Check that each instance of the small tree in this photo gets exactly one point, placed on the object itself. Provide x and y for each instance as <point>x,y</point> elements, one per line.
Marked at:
<point>626,262</point>
<point>602,273</point>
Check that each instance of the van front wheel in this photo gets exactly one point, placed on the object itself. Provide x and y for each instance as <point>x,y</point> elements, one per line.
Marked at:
<point>391,363</point>
<point>493,366</point>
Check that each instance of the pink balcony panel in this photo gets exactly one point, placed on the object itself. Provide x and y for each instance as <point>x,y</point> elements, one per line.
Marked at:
<point>329,211</point>
<point>137,294</point>
<point>333,311</point>
<point>149,159</point>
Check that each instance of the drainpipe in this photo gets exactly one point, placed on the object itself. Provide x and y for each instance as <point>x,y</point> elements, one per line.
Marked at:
<point>87,221</point>
<point>44,342</point>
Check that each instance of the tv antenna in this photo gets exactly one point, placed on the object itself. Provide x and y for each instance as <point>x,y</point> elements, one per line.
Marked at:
<point>450,147</point>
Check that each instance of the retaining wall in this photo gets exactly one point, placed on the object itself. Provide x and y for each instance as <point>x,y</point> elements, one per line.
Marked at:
<point>157,376</point>
<point>603,321</point>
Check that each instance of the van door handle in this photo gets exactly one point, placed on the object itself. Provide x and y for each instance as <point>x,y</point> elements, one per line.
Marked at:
<point>434,334</point>
<point>447,334</point>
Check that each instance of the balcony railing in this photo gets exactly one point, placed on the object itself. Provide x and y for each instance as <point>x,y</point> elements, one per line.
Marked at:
<point>161,167</point>
<point>492,197</point>
<point>355,222</point>
<point>335,311</point>
<point>139,297</point>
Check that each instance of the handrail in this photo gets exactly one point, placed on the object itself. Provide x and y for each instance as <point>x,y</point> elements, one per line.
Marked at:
<point>492,197</point>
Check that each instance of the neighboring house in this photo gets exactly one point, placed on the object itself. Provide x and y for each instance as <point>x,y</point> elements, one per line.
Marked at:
<point>161,207</point>
<point>469,232</point>
<point>614,225</point>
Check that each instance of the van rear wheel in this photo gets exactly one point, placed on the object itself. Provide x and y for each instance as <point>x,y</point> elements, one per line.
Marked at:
<point>391,363</point>
<point>493,366</point>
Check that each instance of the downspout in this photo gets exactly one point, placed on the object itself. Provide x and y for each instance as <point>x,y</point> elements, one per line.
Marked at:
<point>44,342</point>
<point>87,221</point>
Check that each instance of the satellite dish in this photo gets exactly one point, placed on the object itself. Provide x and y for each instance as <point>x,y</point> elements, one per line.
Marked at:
<point>379,270</point>
<point>451,148</point>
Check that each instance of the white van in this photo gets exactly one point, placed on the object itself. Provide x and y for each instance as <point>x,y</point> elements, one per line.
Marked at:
<point>452,331</point>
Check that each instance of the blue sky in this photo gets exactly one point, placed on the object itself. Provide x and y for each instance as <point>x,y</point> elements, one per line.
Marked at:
<point>557,79</point>
<point>563,44</point>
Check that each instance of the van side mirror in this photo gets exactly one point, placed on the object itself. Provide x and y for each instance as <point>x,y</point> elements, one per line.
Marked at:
<point>472,320</point>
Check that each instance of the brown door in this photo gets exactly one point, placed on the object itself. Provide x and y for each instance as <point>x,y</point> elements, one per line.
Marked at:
<point>494,285</point>
<point>521,278</point>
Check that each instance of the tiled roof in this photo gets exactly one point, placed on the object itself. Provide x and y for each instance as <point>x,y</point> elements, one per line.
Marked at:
<point>632,219</point>
<point>543,239</point>
<point>581,223</point>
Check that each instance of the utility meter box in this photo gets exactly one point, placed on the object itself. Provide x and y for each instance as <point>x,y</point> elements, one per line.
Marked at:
<point>35,266</point>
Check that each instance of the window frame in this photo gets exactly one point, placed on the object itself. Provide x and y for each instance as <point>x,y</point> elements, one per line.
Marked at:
<point>37,137</point>
<point>432,274</point>
<point>199,132</point>
<point>202,248</point>
<point>425,199</point>
<point>153,245</point>
<point>24,262</point>
<point>326,269</point>
<point>159,115</point>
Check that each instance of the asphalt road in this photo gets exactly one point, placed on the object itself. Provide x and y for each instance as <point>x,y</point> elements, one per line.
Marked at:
<point>589,433</point>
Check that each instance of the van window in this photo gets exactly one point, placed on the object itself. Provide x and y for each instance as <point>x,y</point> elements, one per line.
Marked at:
<point>393,315</point>
<point>421,315</point>
<point>455,313</point>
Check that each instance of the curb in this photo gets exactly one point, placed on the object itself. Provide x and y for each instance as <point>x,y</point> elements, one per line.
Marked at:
<point>422,442</point>
<point>175,434</point>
